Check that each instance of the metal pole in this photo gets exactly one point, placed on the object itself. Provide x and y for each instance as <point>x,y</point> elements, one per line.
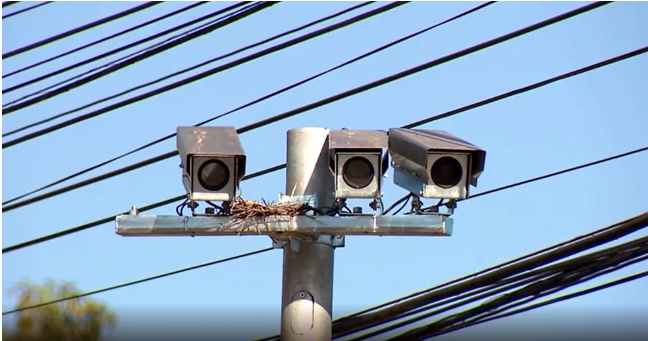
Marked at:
<point>307,288</point>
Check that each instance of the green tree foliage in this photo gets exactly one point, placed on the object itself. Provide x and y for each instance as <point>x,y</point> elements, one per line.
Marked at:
<point>81,319</point>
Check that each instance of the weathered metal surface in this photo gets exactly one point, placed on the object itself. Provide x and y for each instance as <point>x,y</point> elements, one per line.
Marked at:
<point>357,139</point>
<point>403,225</point>
<point>210,141</point>
<point>409,149</point>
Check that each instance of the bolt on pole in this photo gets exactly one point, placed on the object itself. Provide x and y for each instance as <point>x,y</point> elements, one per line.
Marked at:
<point>307,288</point>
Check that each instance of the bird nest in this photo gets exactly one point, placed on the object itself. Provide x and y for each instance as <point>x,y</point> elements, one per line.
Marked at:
<point>248,209</point>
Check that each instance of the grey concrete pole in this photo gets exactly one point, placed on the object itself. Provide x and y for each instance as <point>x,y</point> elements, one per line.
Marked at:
<point>307,288</point>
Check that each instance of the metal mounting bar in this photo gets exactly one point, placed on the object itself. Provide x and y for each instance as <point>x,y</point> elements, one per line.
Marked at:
<point>166,225</point>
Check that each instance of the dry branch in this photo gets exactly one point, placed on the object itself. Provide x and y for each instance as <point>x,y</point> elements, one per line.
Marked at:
<point>245,209</point>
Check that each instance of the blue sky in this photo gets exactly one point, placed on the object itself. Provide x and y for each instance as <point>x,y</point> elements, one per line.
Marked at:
<point>571,122</point>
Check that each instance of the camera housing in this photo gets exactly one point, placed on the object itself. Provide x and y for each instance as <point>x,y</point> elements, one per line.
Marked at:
<point>434,163</point>
<point>357,162</point>
<point>212,161</point>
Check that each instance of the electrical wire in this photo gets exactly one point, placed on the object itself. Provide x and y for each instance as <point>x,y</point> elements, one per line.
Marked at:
<point>545,280</point>
<point>484,271</point>
<point>292,113</point>
<point>105,99</point>
<point>391,207</point>
<point>529,293</point>
<point>365,87</point>
<point>79,29</point>
<point>561,298</point>
<point>207,73</point>
<point>99,41</point>
<point>143,280</point>
<point>147,53</point>
<point>361,322</point>
<point>9,3</point>
<point>114,51</point>
<point>617,257</point>
<point>23,11</point>
<point>126,61</point>
<point>166,156</point>
<point>582,280</point>
<point>403,206</point>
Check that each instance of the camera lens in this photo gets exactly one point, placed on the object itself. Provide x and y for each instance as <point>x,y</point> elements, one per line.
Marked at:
<point>446,172</point>
<point>213,175</point>
<point>358,172</point>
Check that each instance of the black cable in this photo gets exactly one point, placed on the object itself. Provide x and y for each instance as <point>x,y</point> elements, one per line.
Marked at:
<point>147,279</point>
<point>99,41</point>
<point>131,58</point>
<point>124,61</point>
<point>79,29</point>
<point>119,49</point>
<point>9,3</point>
<point>208,28</point>
<point>563,269</point>
<point>391,207</point>
<point>460,300</point>
<point>105,99</point>
<point>527,294</point>
<point>549,175</point>
<point>297,111</point>
<point>207,73</point>
<point>23,11</point>
<point>498,312</point>
<point>113,217</point>
<point>484,271</point>
<point>561,298</point>
<point>360,322</point>
<point>612,256</point>
<point>404,204</point>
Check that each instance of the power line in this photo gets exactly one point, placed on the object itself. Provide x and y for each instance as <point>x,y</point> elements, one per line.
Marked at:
<point>611,233</point>
<point>114,51</point>
<point>561,298</point>
<point>9,3</point>
<point>147,279</point>
<point>487,270</point>
<point>112,218</point>
<point>360,89</point>
<point>147,53</point>
<point>542,282</point>
<point>256,101</point>
<point>550,175</point>
<point>112,36</point>
<point>23,11</point>
<point>207,73</point>
<point>331,100</point>
<point>79,29</point>
<point>531,292</point>
<point>411,125</point>
<point>187,69</point>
